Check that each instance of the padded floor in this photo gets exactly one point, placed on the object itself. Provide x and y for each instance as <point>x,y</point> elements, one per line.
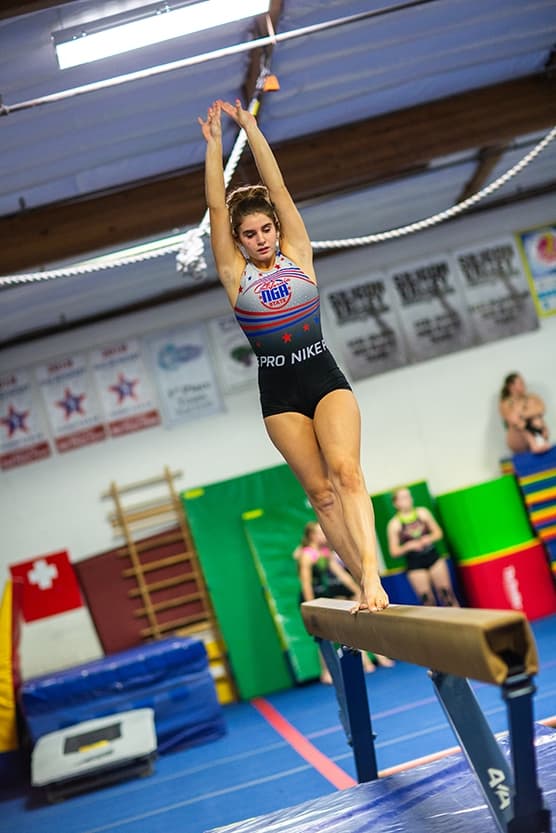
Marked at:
<point>253,770</point>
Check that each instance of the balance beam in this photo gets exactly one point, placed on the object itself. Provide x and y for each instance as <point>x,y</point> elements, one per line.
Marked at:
<point>494,646</point>
<point>485,645</point>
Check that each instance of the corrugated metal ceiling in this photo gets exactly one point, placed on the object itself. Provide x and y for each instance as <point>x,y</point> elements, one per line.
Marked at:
<point>106,140</point>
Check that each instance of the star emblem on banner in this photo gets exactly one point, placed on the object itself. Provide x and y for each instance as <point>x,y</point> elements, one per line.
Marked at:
<point>15,420</point>
<point>71,403</point>
<point>124,388</point>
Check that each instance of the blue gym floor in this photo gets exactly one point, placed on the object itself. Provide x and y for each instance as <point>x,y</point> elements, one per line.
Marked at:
<point>252,770</point>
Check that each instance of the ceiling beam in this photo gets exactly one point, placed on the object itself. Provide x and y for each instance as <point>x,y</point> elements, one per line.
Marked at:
<point>189,289</point>
<point>487,159</point>
<point>353,156</point>
<point>14,9</point>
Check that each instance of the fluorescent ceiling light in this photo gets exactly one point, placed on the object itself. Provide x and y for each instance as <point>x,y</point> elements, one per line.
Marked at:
<point>147,25</point>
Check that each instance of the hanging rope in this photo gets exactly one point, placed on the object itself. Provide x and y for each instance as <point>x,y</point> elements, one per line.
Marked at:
<point>169,245</point>
<point>447,214</point>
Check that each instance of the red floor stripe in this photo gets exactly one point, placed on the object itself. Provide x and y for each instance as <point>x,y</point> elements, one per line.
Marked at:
<point>327,768</point>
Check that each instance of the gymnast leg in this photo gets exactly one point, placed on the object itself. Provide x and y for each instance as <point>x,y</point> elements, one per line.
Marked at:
<point>323,453</point>
<point>337,426</point>
<point>310,469</point>
<point>440,577</point>
<point>420,581</point>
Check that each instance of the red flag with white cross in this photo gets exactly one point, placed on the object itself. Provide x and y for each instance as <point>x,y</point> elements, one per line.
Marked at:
<point>49,585</point>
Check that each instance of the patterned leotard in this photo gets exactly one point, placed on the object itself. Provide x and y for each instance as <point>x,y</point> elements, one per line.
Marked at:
<point>279,312</point>
<point>324,582</point>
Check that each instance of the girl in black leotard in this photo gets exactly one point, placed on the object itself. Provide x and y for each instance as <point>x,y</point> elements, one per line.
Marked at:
<point>412,534</point>
<point>322,575</point>
<point>264,260</point>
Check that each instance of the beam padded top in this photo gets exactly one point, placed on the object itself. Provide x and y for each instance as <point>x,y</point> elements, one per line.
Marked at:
<point>487,645</point>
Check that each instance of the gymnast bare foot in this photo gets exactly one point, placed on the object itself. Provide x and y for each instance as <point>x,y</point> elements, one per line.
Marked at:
<point>368,664</point>
<point>384,662</point>
<point>372,597</point>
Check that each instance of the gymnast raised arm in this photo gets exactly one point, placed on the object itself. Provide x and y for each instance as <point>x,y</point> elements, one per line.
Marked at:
<point>294,239</point>
<point>228,259</point>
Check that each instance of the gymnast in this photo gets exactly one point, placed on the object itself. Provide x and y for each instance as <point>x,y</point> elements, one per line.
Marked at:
<point>413,533</point>
<point>523,416</point>
<point>321,575</point>
<point>264,260</point>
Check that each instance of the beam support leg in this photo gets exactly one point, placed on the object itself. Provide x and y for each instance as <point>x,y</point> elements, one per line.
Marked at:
<point>346,669</point>
<point>513,812</point>
<point>530,814</point>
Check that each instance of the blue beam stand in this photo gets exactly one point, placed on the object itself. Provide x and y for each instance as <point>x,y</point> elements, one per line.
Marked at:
<point>346,670</point>
<point>530,814</point>
<point>515,801</point>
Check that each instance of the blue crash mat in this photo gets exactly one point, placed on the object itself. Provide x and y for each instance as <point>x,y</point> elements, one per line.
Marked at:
<point>435,798</point>
<point>171,676</point>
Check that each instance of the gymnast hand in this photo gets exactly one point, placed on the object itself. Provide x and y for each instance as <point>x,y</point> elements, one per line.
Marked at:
<point>212,127</point>
<point>241,117</point>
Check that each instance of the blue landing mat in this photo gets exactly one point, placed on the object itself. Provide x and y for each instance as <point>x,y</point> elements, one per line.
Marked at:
<point>434,798</point>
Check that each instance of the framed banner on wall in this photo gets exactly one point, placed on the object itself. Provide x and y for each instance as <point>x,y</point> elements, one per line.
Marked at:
<point>496,289</point>
<point>538,250</point>
<point>361,316</point>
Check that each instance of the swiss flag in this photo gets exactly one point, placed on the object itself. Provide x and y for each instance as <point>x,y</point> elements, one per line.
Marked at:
<point>49,585</point>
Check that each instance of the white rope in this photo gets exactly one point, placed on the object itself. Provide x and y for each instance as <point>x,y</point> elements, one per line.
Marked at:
<point>447,214</point>
<point>95,264</point>
<point>169,245</point>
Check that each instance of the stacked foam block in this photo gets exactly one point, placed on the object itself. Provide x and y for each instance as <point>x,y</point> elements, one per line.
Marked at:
<point>536,476</point>
<point>501,563</point>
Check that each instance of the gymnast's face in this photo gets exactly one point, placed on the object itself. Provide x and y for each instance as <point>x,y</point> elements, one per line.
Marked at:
<point>258,235</point>
<point>319,538</point>
<point>517,387</point>
<point>403,500</point>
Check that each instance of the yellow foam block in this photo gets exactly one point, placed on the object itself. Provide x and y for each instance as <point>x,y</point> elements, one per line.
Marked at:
<point>8,727</point>
<point>213,650</point>
<point>224,692</point>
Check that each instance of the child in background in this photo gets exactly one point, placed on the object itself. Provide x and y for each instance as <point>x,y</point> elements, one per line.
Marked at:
<point>322,576</point>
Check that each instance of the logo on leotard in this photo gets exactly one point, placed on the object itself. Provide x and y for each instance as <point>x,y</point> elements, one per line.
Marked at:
<point>274,293</point>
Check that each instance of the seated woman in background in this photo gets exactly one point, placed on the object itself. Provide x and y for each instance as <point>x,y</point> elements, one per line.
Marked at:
<point>413,533</point>
<point>523,415</point>
<point>322,576</point>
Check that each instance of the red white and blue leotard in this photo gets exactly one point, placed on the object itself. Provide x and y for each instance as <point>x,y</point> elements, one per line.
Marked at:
<point>279,312</point>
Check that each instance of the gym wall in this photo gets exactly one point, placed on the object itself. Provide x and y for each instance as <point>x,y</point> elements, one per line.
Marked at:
<point>434,421</point>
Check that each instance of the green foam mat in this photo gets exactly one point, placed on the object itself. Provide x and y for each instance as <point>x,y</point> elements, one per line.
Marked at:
<point>384,510</point>
<point>484,518</point>
<point>215,513</point>
<point>273,535</point>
